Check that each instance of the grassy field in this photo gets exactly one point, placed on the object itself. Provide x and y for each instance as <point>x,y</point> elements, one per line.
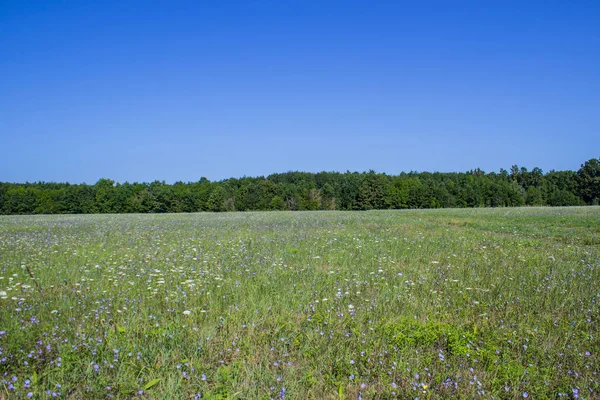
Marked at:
<point>480,303</point>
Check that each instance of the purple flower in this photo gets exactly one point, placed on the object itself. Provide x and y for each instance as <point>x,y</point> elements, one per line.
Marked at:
<point>525,394</point>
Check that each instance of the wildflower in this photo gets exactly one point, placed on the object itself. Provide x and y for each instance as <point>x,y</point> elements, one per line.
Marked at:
<point>187,312</point>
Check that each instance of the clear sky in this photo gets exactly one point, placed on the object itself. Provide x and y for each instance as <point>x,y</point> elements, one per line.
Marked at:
<point>172,90</point>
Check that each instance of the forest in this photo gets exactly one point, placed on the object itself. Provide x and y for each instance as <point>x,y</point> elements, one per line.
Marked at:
<point>312,191</point>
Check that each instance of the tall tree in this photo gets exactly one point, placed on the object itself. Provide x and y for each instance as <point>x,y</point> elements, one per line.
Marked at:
<point>588,177</point>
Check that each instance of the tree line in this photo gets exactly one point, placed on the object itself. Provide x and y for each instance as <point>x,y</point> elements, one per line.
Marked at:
<point>312,191</point>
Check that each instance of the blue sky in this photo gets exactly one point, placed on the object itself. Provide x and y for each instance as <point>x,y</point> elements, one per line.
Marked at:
<point>145,90</point>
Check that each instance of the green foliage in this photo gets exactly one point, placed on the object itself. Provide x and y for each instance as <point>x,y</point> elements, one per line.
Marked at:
<point>307,191</point>
<point>372,192</point>
<point>410,333</point>
<point>151,384</point>
<point>588,179</point>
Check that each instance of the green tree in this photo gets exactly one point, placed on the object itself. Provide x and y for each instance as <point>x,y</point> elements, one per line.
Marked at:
<point>105,195</point>
<point>533,196</point>
<point>216,200</point>
<point>588,179</point>
<point>372,192</point>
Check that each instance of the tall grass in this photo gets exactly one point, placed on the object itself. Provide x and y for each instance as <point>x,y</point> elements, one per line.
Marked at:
<point>484,303</point>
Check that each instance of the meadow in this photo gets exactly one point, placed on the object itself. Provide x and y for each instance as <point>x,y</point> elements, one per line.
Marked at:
<point>463,303</point>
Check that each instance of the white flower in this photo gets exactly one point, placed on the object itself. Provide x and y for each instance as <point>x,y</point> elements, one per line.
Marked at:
<point>187,312</point>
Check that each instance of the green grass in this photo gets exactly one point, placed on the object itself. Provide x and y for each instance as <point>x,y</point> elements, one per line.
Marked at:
<point>480,303</point>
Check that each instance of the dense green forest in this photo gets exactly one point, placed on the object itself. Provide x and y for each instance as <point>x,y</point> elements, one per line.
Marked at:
<point>312,191</point>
